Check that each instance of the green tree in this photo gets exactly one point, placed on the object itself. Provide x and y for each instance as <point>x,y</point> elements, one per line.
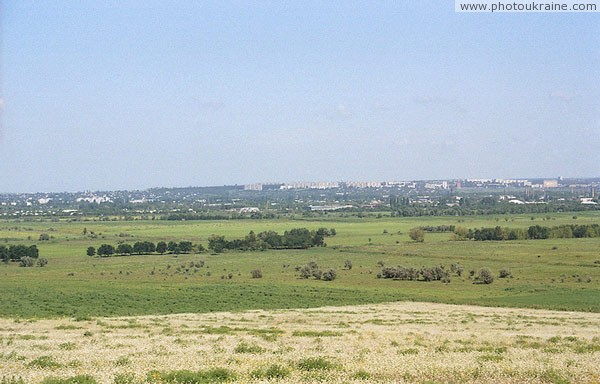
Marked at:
<point>124,249</point>
<point>216,243</point>
<point>149,247</point>
<point>4,255</point>
<point>105,250</point>
<point>138,247</point>
<point>91,251</point>
<point>171,246</point>
<point>185,246</point>
<point>161,247</point>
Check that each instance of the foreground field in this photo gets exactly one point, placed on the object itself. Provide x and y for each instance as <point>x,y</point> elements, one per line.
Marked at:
<point>396,342</point>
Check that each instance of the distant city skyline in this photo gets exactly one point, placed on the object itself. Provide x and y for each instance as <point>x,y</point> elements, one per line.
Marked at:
<point>132,95</point>
<point>538,182</point>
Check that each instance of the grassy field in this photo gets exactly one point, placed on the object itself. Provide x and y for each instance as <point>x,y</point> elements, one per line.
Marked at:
<point>551,274</point>
<point>401,342</point>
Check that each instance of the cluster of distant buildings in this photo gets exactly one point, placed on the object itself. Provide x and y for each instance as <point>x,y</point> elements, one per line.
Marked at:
<point>427,184</point>
<point>215,197</point>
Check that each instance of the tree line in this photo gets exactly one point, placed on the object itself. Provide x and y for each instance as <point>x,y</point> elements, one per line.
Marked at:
<point>145,248</point>
<point>16,252</point>
<point>534,232</point>
<point>297,238</point>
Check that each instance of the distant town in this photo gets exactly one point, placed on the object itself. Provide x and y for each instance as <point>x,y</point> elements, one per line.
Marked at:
<point>403,198</point>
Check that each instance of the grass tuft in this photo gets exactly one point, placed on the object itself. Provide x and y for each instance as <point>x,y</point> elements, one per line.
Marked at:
<point>79,379</point>
<point>274,371</point>
<point>215,375</point>
<point>315,363</point>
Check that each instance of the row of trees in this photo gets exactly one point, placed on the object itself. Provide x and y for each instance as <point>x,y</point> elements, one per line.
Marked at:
<point>17,252</point>
<point>532,233</point>
<point>297,238</point>
<point>483,207</point>
<point>145,248</point>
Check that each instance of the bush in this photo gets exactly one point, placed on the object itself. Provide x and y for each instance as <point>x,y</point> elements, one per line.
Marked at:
<point>417,234</point>
<point>504,272</point>
<point>461,233</point>
<point>256,274</point>
<point>348,264</point>
<point>485,276</point>
<point>27,261</point>
<point>310,270</point>
<point>44,237</point>
<point>456,268</point>
<point>42,262</point>
<point>329,275</point>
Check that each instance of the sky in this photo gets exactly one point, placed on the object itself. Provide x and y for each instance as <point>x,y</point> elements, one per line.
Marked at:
<point>114,95</point>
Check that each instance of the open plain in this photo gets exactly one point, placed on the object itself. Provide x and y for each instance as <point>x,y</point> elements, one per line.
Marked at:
<point>203,317</point>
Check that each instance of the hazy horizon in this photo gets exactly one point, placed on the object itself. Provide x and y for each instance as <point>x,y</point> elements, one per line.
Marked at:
<point>135,95</point>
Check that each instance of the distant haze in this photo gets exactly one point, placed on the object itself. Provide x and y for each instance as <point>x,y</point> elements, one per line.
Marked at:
<point>136,94</point>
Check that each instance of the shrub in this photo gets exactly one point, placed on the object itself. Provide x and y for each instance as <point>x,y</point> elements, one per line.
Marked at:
<point>27,261</point>
<point>42,262</point>
<point>504,272</point>
<point>456,268</point>
<point>329,275</point>
<point>317,273</point>
<point>461,233</point>
<point>44,237</point>
<point>256,274</point>
<point>417,234</point>
<point>485,276</point>
<point>348,264</point>
<point>310,270</point>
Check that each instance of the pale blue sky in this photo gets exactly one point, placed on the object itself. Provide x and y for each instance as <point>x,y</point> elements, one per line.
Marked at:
<point>138,94</point>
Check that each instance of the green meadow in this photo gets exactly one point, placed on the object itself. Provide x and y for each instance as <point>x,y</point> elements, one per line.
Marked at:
<point>559,274</point>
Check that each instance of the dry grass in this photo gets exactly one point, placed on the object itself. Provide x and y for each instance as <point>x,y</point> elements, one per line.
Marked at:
<point>397,342</point>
